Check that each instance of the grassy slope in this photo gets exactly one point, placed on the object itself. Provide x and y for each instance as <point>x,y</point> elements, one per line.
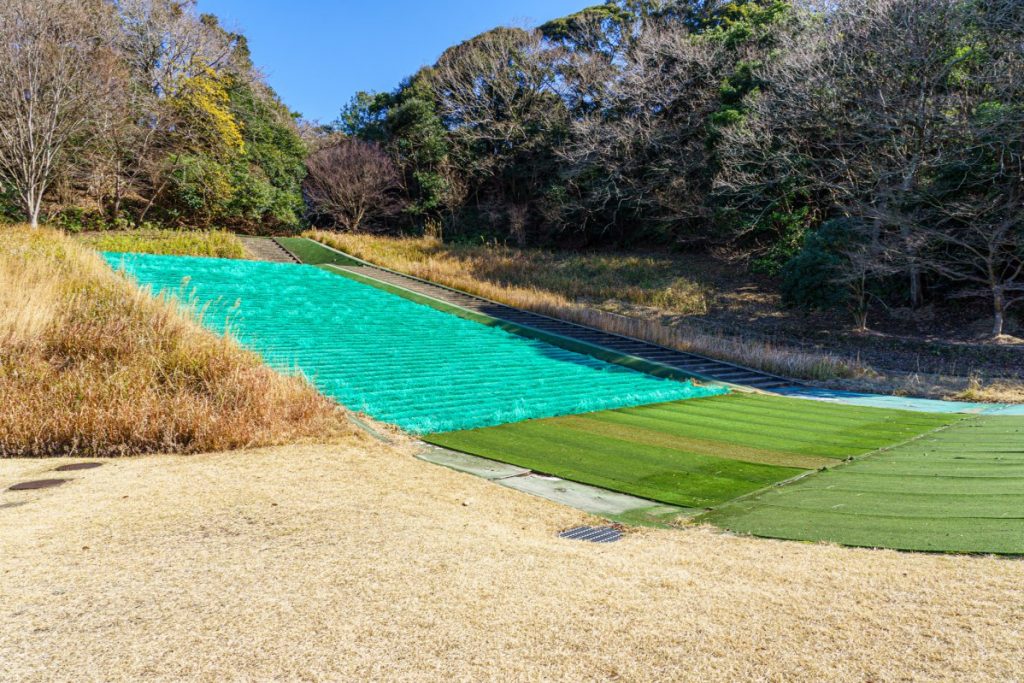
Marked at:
<point>92,365</point>
<point>214,243</point>
<point>698,453</point>
<point>311,253</point>
<point>960,489</point>
<point>568,287</point>
<point>560,277</point>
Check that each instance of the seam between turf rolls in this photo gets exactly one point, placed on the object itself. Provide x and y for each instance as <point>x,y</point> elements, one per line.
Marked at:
<point>839,465</point>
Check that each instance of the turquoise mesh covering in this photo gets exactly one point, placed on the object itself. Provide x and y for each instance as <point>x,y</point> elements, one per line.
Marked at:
<point>398,361</point>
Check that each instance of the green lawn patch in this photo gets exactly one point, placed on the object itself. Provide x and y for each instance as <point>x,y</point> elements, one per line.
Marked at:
<point>959,489</point>
<point>313,253</point>
<point>697,453</point>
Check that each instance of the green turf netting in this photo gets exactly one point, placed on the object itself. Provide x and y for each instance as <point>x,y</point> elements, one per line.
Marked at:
<point>959,489</point>
<point>400,362</point>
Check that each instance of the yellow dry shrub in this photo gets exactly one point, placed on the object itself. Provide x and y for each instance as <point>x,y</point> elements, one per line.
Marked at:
<point>92,365</point>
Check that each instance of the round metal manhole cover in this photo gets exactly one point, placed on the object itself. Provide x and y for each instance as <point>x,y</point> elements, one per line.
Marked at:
<point>38,484</point>
<point>592,534</point>
<point>73,467</point>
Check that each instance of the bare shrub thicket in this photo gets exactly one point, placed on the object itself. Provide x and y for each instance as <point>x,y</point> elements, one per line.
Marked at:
<point>353,182</point>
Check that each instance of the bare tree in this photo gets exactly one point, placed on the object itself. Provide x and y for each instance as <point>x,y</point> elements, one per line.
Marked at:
<point>977,203</point>
<point>162,44</point>
<point>496,96</point>
<point>354,182</point>
<point>52,57</point>
<point>643,153</point>
<point>986,254</point>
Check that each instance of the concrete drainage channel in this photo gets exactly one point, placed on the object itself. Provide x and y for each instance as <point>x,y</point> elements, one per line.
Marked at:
<point>616,507</point>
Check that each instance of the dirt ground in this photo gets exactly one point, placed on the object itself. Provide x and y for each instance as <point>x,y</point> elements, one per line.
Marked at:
<point>359,562</point>
<point>951,339</point>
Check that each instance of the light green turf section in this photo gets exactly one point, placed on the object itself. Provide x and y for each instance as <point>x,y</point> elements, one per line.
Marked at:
<point>313,253</point>
<point>697,453</point>
<point>960,489</point>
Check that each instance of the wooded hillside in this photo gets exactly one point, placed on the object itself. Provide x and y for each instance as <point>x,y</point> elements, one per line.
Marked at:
<point>869,152</point>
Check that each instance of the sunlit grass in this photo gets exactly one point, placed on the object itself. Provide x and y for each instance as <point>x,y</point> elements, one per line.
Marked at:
<point>213,243</point>
<point>92,365</point>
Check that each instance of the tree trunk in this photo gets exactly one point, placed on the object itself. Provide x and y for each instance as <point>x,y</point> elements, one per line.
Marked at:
<point>913,269</point>
<point>915,286</point>
<point>34,209</point>
<point>998,312</point>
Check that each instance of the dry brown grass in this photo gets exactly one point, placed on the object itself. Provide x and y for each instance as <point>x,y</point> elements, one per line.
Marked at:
<point>942,387</point>
<point>569,287</point>
<point>212,243</point>
<point>90,364</point>
<point>337,563</point>
<point>998,391</point>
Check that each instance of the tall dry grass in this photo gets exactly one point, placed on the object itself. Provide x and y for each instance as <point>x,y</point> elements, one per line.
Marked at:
<point>212,243</point>
<point>92,365</point>
<point>558,277</point>
<point>551,285</point>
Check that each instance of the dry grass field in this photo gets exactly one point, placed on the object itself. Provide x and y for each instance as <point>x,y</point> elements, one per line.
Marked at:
<point>354,560</point>
<point>359,562</point>
<point>92,365</point>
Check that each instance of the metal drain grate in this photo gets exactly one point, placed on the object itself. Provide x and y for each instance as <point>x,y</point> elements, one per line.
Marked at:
<point>78,466</point>
<point>38,484</point>
<point>592,534</point>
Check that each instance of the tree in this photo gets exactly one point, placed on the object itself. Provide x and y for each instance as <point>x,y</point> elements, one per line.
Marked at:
<point>161,46</point>
<point>639,161</point>
<point>839,265</point>
<point>985,253</point>
<point>976,203</point>
<point>268,177</point>
<point>496,95</point>
<point>419,141</point>
<point>365,116</point>
<point>859,115</point>
<point>354,182</point>
<point>54,58</point>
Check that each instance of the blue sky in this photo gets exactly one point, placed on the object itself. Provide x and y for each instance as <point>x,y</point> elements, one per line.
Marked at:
<point>318,53</point>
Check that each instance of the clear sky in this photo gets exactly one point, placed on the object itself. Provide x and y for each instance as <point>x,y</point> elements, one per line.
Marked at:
<point>318,53</point>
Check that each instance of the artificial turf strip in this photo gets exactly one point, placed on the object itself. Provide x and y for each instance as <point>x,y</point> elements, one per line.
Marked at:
<point>314,253</point>
<point>755,421</point>
<point>691,453</point>
<point>662,474</point>
<point>958,489</point>
<point>399,361</point>
<point>651,437</point>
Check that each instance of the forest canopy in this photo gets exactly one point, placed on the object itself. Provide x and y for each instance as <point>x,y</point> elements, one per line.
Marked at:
<point>136,111</point>
<point>869,151</point>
